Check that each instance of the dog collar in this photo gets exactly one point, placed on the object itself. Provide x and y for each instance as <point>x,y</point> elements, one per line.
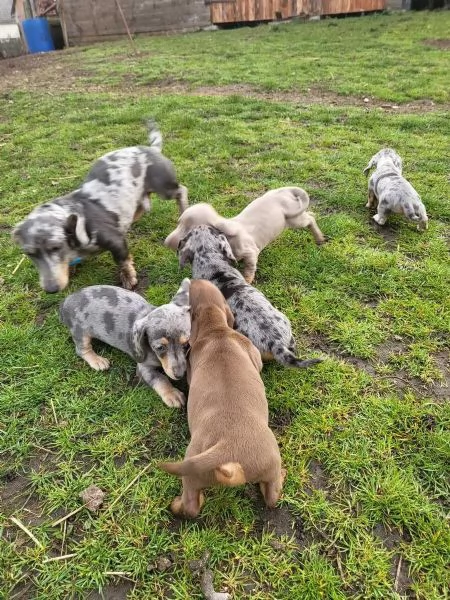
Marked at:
<point>75,261</point>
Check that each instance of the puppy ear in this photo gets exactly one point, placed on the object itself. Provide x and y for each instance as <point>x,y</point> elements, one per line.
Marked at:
<point>181,298</point>
<point>185,254</point>
<point>75,228</point>
<point>230,316</point>
<point>226,248</point>
<point>138,340</point>
<point>230,229</point>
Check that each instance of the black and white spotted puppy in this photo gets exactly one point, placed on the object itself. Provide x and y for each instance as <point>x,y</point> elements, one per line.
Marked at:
<point>390,192</point>
<point>153,336</point>
<point>97,216</point>
<point>269,329</point>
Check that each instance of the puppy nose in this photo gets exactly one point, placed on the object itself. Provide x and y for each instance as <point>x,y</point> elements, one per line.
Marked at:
<point>51,288</point>
<point>178,373</point>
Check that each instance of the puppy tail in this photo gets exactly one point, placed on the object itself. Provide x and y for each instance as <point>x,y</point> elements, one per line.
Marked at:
<point>230,474</point>
<point>287,358</point>
<point>181,298</point>
<point>372,163</point>
<point>208,460</point>
<point>154,135</point>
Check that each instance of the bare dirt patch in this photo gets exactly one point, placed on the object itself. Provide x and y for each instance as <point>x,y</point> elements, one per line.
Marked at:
<point>282,523</point>
<point>318,479</point>
<point>54,73</point>
<point>117,591</point>
<point>399,571</point>
<point>320,342</point>
<point>443,44</point>
<point>280,419</point>
<point>143,282</point>
<point>439,390</point>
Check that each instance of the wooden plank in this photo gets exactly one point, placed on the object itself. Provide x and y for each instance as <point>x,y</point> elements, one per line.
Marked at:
<point>88,19</point>
<point>335,7</point>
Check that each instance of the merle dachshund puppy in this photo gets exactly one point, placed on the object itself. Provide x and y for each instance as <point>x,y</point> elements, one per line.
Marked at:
<point>153,336</point>
<point>254,316</point>
<point>97,216</point>
<point>390,192</point>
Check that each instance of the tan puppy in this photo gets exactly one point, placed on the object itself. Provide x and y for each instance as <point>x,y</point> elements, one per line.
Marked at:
<point>231,442</point>
<point>255,227</point>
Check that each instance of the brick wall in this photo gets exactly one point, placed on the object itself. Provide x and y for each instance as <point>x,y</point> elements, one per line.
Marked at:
<point>92,20</point>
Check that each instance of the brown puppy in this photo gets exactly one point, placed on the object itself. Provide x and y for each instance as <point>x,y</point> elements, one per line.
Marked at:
<point>231,442</point>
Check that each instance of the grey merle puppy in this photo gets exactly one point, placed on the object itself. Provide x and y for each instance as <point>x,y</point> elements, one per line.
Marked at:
<point>97,216</point>
<point>390,192</point>
<point>153,336</point>
<point>270,330</point>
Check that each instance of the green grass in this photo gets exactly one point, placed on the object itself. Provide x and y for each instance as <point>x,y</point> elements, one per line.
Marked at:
<point>364,436</point>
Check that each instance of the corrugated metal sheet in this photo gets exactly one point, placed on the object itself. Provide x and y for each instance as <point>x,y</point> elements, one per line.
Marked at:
<point>5,11</point>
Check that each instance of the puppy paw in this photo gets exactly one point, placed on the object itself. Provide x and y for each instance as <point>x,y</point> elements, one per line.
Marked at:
<point>379,219</point>
<point>322,240</point>
<point>249,278</point>
<point>174,398</point>
<point>128,281</point>
<point>96,362</point>
<point>128,277</point>
<point>176,506</point>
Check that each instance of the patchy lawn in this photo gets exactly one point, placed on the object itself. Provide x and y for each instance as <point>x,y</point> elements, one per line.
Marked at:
<point>364,436</point>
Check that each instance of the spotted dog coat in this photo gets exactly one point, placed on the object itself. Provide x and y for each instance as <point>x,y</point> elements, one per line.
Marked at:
<point>97,216</point>
<point>270,330</point>
<point>153,336</point>
<point>390,192</point>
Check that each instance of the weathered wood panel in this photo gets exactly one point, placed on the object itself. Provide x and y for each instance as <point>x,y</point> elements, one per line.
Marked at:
<point>337,7</point>
<point>242,11</point>
<point>89,20</point>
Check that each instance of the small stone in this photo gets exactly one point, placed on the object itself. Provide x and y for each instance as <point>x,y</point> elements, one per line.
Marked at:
<point>366,100</point>
<point>398,338</point>
<point>92,497</point>
<point>163,563</point>
<point>276,545</point>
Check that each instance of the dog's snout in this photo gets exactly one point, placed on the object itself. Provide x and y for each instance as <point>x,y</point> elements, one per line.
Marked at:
<point>179,371</point>
<point>51,288</point>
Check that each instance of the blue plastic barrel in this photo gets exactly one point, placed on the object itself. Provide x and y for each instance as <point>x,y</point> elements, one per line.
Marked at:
<point>38,35</point>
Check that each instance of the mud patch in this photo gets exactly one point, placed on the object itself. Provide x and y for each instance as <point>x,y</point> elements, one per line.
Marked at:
<point>318,342</point>
<point>280,419</point>
<point>44,308</point>
<point>390,538</point>
<point>399,571</point>
<point>318,478</point>
<point>53,73</point>
<point>117,591</point>
<point>282,523</point>
<point>390,348</point>
<point>388,232</point>
<point>400,575</point>
<point>440,390</point>
<point>443,44</point>
<point>17,495</point>
<point>143,283</point>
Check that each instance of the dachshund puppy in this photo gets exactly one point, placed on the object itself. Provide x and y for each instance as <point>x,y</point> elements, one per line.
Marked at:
<point>231,442</point>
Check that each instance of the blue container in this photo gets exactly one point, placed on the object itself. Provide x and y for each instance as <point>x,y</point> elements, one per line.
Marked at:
<point>38,35</point>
